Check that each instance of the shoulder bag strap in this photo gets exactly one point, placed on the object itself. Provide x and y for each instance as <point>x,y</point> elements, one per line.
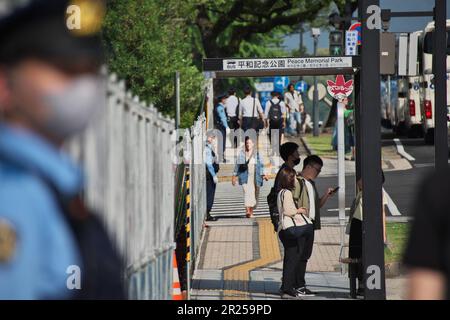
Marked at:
<point>254,103</point>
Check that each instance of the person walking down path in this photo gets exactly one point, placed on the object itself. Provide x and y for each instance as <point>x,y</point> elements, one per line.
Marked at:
<point>294,102</point>
<point>349,129</point>
<point>250,112</point>
<point>232,107</point>
<point>249,171</point>
<point>221,124</point>
<point>275,113</point>
<point>212,167</point>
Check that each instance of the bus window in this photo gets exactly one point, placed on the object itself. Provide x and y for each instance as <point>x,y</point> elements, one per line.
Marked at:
<point>428,42</point>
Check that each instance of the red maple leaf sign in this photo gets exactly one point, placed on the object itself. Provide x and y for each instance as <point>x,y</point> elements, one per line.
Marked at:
<point>340,89</point>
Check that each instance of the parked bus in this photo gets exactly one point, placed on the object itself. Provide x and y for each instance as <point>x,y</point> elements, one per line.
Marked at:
<point>426,43</point>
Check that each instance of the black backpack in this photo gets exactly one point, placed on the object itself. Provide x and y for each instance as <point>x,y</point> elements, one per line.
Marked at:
<point>272,201</point>
<point>273,208</point>
<point>273,205</point>
<point>275,113</point>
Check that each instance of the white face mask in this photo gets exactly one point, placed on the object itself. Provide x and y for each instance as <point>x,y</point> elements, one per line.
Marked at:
<point>72,109</point>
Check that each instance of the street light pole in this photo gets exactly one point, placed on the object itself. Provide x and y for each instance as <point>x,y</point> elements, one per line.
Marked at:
<point>316,35</point>
<point>177,99</point>
<point>301,30</point>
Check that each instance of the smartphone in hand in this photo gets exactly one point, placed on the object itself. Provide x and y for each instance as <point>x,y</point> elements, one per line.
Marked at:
<point>335,190</point>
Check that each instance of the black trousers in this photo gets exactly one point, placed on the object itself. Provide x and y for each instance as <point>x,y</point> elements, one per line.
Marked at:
<point>355,245</point>
<point>250,123</point>
<point>275,126</point>
<point>210,193</point>
<point>222,147</point>
<point>297,251</point>
<point>234,125</point>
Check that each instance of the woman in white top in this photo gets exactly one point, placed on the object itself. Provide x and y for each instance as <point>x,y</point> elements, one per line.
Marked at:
<point>249,171</point>
<point>296,229</point>
<point>355,232</point>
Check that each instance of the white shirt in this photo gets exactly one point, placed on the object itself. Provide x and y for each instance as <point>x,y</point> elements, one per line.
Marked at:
<point>358,214</point>
<point>246,108</point>
<point>231,105</point>
<point>275,101</point>
<point>311,197</point>
<point>293,101</point>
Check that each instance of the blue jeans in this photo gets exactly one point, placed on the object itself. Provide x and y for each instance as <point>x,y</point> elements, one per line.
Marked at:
<point>295,119</point>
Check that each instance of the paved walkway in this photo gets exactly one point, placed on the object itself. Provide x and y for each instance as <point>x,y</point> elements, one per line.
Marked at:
<point>241,258</point>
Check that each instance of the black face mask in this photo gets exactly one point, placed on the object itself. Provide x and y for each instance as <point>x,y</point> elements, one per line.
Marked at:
<point>297,161</point>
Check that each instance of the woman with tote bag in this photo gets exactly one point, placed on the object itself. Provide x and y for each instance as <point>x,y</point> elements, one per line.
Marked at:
<point>296,229</point>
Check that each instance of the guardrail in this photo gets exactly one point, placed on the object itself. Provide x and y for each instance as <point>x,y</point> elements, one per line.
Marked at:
<point>128,158</point>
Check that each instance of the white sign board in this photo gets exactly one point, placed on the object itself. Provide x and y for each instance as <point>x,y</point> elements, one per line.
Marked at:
<point>412,54</point>
<point>403,54</point>
<point>351,42</point>
<point>287,63</point>
<point>321,92</point>
<point>264,86</point>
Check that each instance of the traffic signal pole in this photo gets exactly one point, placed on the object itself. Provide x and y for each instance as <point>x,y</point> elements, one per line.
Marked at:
<point>370,144</point>
<point>440,76</point>
<point>315,98</point>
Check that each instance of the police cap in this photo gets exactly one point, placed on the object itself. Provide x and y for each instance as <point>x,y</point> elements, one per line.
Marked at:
<point>59,31</point>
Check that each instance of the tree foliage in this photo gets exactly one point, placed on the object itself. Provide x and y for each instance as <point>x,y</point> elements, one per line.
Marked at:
<point>146,43</point>
<point>225,25</point>
<point>148,40</point>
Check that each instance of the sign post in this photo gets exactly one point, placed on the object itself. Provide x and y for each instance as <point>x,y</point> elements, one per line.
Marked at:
<point>340,90</point>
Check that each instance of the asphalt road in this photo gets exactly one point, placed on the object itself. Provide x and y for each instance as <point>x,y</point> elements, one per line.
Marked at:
<point>401,186</point>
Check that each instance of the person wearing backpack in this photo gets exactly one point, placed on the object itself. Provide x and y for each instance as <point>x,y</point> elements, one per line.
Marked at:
<point>296,234</point>
<point>291,157</point>
<point>51,245</point>
<point>294,103</point>
<point>221,124</point>
<point>275,113</point>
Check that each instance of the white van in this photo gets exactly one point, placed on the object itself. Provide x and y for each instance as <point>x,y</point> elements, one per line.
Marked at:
<point>426,63</point>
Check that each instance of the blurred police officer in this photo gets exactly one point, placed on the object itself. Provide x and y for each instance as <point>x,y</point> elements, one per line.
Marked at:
<point>49,90</point>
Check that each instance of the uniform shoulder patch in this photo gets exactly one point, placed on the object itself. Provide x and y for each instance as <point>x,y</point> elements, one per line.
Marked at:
<point>8,241</point>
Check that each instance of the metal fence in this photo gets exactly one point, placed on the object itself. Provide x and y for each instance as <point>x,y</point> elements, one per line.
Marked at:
<point>192,147</point>
<point>198,186</point>
<point>128,158</point>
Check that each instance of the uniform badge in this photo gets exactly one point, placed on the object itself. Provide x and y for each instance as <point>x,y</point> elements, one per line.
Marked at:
<point>85,17</point>
<point>8,241</point>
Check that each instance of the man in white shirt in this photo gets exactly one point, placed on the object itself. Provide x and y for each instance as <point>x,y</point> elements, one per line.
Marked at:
<point>249,111</point>
<point>295,106</point>
<point>275,113</point>
<point>232,107</point>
